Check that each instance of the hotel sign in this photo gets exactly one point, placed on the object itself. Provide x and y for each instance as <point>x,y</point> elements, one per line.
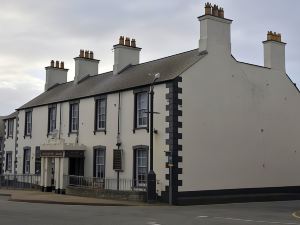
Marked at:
<point>117,160</point>
<point>57,154</point>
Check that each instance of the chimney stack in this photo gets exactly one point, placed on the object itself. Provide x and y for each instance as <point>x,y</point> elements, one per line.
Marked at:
<point>55,74</point>
<point>274,52</point>
<point>85,65</point>
<point>125,53</point>
<point>208,9</point>
<point>215,31</point>
<point>215,10</point>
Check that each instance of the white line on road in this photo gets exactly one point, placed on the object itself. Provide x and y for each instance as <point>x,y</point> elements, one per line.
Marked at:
<point>247,220</point>
<point>153,223</point>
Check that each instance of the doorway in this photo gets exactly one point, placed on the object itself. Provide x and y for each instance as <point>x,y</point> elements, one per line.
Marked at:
<point>76,166</point>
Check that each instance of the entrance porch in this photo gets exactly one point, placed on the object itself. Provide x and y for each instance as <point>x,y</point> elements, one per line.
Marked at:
<point>57,161</point>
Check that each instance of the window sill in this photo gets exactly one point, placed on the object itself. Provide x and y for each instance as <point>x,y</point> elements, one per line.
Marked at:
<point>141,128</point>
<point>100,131</point>
<point>73,132</point>
<point>27,135</point>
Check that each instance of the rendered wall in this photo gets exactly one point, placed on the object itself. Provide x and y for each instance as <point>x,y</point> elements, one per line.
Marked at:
<point>240,127</point>
<point>89,139</point>
<point>9,144</point>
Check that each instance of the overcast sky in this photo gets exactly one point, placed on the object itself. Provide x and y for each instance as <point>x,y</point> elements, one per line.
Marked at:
<point>32,32</point>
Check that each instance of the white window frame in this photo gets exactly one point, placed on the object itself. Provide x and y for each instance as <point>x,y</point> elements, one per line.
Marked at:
<point>28,121</point>
<point>74,117</point>
<point>101,114</point>
<point>142,109</point>
<point>52,119</point>
<point>141,166</point>
<point>100,163</point>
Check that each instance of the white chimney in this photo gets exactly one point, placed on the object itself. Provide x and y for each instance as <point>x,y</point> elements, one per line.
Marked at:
<point>215,31</point>
<point>85,65</point>
<point>125,53</point>
<point>274,52</point>
<point>55,74</point>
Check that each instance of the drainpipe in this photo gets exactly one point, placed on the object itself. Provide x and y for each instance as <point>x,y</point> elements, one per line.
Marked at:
<point>59,121</point>
<point>118,139</point>
<point>16,143</point>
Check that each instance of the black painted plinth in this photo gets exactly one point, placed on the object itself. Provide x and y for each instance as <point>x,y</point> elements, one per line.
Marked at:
<point>151,187</point>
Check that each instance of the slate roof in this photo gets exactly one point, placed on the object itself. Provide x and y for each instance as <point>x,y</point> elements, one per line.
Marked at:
<point>10,116</point>
<point>132,77</point>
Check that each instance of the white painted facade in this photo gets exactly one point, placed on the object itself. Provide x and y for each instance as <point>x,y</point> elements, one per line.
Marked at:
<point>239,121</point>
<point>9,146</point>
<point>88,139</point>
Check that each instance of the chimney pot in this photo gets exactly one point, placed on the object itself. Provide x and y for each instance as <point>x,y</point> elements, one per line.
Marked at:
<point>62,65</point>
<point>86,54</point>
<point>269,36</point>
<point>91,55</point>
<point>208,8</point>
<point>221,13</point>
<point>81,54</point>
<point>121,40</point>
<point>127,41</point>
<point>133,43</point>
<point>215,10</point>
<point>279,37</point>
<point>52,63</point>
<point>57,64</point>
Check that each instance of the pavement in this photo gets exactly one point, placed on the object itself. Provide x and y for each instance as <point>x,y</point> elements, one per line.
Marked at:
<point>52,198</point>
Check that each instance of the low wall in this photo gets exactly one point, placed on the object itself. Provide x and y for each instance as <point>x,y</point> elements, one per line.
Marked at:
<point>107,194</point>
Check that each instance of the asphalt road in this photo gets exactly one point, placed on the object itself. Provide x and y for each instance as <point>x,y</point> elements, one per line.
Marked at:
<point>278,213</point>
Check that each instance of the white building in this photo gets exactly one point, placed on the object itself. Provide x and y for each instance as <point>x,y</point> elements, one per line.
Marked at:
<point>231,127</point>
<point>10,142</point>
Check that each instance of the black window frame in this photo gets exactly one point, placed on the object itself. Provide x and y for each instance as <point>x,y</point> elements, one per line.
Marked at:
<point>6,161</point>
<point>98,100</point>
<point>136,92</point>
<point>26,149</point>
<point>103,149</point>
<point>37,162</point>
<point>10,130</point>
<point>27,134</point>
<point>50,108</point>
<point>1,144</point>
<point>71,105</point>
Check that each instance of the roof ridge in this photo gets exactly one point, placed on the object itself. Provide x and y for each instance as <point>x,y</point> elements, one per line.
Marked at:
<point>166,57</point>
<point>101,74</point>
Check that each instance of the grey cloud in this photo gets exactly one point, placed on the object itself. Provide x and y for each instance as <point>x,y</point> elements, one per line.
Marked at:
<point>33,32</point>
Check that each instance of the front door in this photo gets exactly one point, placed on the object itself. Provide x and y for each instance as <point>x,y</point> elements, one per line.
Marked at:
<point>76,166</point>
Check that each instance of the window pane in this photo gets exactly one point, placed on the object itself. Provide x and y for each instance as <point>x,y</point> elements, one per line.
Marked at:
<point>100,163</point>
<point>27,161</point>
<point>142,108</point>
<point>74,117</point>
<point>101,113</point>
<point>141,165</point>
